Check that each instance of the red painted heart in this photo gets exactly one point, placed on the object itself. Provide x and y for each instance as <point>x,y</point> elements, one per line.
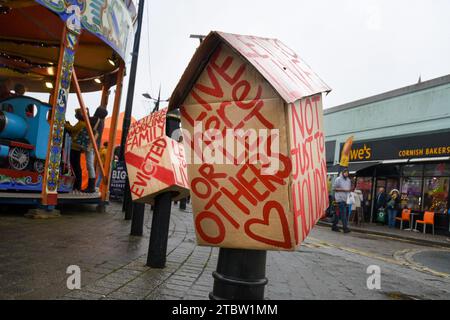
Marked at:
<point>267,211</point>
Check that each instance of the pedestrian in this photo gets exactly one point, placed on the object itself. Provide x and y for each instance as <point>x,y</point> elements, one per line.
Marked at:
<point>393,206</point>
<point>102,151</point>
<point>342,187</point>
<point>97,124</point>
<point>380,200</point>
<point>80,141</point>
<point>357,205</point>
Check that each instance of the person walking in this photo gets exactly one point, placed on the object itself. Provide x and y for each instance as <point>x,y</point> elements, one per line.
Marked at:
<point>342,187</point>
<point>357,205</point>
<point>393,205</point>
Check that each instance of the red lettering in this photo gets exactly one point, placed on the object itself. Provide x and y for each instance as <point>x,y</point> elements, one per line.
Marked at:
<point>195,188</point>
<point>216,90</point>
<point>207,171</point>
<point>220,227</point>
<point>214,202</point>
<point>222,70</point>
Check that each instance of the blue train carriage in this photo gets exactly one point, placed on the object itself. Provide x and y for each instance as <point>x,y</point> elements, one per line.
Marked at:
<point>24,131</point>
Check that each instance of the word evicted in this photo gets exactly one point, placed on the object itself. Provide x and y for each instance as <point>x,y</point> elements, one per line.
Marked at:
<point>149,167</point>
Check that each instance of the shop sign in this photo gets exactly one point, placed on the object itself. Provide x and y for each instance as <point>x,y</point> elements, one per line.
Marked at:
<point>421,146</point>
<point>118,179</point>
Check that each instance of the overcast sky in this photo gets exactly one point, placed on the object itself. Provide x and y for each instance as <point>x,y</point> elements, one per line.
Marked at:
<point>358,47</point>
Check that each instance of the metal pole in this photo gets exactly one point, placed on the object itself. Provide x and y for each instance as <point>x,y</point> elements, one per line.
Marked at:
<point>240,275</point>
<point>159,234</point>
<point>137,224</point>
<point>129,106</point>
<point>112,135</point>
<point>86,120</point>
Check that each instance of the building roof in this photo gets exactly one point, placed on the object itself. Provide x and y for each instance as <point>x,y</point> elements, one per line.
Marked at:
<point>391,94</point>
<point>288,74</point>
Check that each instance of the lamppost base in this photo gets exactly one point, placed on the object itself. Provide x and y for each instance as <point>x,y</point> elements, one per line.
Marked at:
<point>240,275</point>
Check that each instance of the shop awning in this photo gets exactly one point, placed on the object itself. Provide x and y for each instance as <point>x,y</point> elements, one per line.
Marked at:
<point>353,167</point>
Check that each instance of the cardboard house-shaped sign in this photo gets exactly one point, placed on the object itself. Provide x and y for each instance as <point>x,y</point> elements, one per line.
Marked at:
<point>155,162</point>
<point>252,119</point>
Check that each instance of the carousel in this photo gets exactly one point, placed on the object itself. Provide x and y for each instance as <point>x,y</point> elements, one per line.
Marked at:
<point>56,47</point>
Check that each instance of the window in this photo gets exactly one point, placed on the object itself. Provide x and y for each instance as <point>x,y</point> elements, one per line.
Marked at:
<point>413,170</point>
<point>411,193</point>
<point>437,170</point>
<point>365,185</point>
<point>31,111</point>
<point>436,194</point>
<point>7,107</point>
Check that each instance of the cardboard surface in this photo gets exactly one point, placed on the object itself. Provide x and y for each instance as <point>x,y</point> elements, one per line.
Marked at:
<point>236,203</point>
<point>252,117</point>
<point>309,193</point>
<point>155,162</point>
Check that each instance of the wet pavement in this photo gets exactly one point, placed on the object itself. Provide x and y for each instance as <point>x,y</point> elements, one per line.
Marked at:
<point>35,254</point>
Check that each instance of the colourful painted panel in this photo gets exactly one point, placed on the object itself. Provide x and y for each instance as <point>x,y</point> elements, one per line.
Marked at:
<point>109,20</point>
<point>58,121</point>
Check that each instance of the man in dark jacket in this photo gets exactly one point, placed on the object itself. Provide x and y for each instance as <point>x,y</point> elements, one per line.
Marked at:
<point>380,200</point>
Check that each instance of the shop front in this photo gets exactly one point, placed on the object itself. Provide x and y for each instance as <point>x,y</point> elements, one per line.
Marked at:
<point>417,165</point>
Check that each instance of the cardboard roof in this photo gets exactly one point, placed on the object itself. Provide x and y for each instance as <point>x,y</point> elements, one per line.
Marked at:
<point>283,69</point>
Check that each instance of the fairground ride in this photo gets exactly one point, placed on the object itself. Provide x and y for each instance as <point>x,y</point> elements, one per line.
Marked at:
<point>56,47</point>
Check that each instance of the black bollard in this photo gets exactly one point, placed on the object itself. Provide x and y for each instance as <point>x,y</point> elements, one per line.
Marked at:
<point>183,204</point>
<point>137,222</point>
<point>240,275</point>
<point>127,202</point>
<point>159,234</point>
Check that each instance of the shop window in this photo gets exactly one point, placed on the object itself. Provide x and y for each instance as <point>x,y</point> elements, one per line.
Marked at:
<point>7,107</point>
<point>437,170</point>
<point>365,185</point>
<point>413,170</point>
<point>436,194</point>
<point>411,193</point>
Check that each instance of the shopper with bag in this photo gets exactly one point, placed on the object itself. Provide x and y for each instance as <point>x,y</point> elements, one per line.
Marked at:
<point>380,205</point>
<point>342,187</point>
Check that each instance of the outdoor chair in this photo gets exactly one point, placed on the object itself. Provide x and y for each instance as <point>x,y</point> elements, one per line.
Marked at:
<point>428,218</point>
<point>406,216</point>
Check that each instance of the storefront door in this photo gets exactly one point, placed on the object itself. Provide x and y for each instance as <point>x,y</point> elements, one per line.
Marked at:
<point>388,184</point>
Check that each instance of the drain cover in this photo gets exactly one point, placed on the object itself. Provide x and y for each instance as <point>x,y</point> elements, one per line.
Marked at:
<point>435,260</point>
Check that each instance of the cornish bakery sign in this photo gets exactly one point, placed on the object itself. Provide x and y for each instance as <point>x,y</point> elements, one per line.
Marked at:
<point>420,146</point>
